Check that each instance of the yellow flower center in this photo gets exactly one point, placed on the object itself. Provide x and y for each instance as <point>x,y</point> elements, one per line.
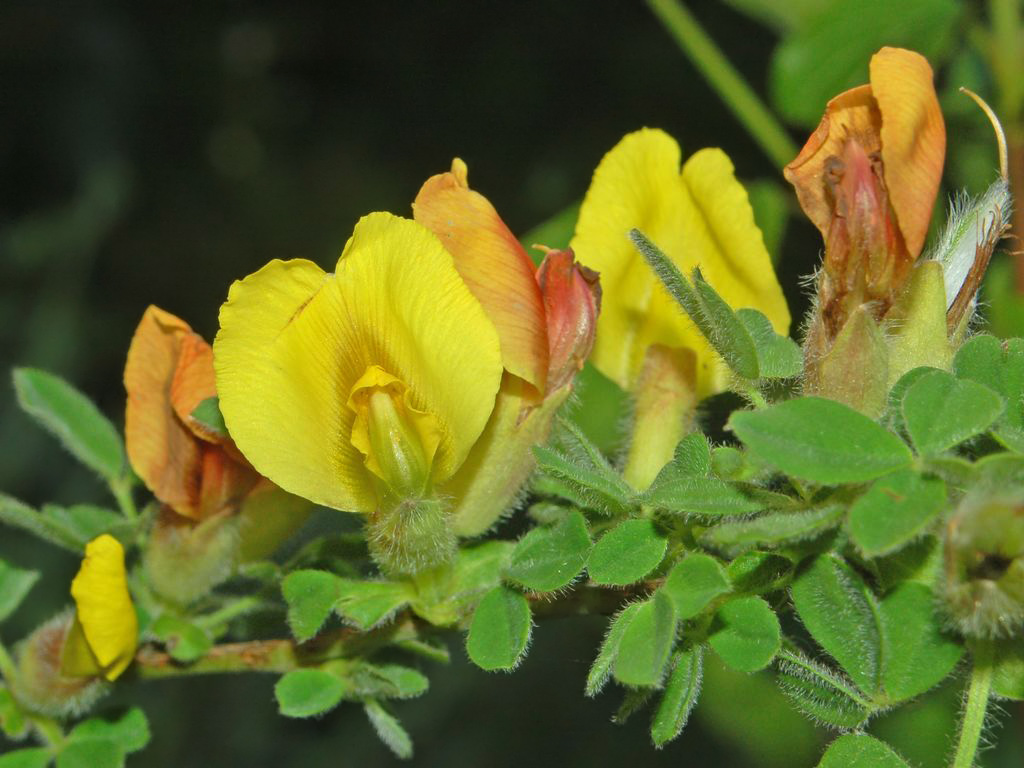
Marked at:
<point>398,441</point>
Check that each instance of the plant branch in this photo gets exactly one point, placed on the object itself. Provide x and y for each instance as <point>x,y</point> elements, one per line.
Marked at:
<point>282,655</point>
<point>726,80</point>
<point>973,721</point>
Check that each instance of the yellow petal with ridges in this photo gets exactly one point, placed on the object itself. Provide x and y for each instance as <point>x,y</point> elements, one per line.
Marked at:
<point>700,217</point>
<point>105,609</point>
<point>293,341</point>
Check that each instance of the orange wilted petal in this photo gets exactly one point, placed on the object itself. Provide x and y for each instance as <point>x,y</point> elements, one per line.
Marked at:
<point>193,382</point>
<point>896,118</point>
<point>853,113</point>
<point>913,138</point>
<point>493,265</point>
<point>162,451</point>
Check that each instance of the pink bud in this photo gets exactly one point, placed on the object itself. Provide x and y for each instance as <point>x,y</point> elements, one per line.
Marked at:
<point>572,300</point>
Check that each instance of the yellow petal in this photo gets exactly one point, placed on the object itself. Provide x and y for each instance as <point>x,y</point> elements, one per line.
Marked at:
<point>105,609</point>
<point>700,218</point>
<point>494,266</point>
<point>913,138</point>
<point>162,451</point>
<point>294,340</point>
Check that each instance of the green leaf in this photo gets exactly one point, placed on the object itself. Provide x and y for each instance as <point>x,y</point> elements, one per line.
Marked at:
<point>311,596</point>
<point>646,643</point>
<point>998,365</point>
<point>693,583</point>
<point>388,681</point>
<point>130,731</point>
<point>708,311</point>
<point>822,694</point>
<point>91,753</point>
<point>772,530</point>
<point>602,490</point>
<point>830,52</point>
<point>940,411</point>
<point>778,356</point>
<point>500,630</point>
<point>894,511</point>
<point>627,553</point>
<point>842,616</point>
<point>858,750</point>
<point>185,641</point>
<point>208,414</point>
<point>691,458</point>
<point>820,440</point>
<point>15,584</point>
<point>681,694</point>
<point>1007,676</point>
<point>917,654</point>
<point>33,757</point>
<point>727,462</point>
<point>70,528</point>
<point>549,558</point>
<point>479,568</point>
<point>601,669</point>
<point>758,572</point>
<point>84,522</point>
<point>72,418</point>
<point>308,692</point>
<point>12,719</point>
<point>388,729</point>
<point>701,496</point>
<point>369,603</point>
<point>746,634</point>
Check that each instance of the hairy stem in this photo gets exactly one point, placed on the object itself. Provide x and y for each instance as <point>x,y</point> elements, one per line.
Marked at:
<point>7,668</point>
<point>282,655</point>
<point>973,721</point>
<point>723,77</point>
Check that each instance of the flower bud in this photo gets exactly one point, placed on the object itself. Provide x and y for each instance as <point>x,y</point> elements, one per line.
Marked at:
<point>41,685</point>
<point>572,301</point>
<point>983,582</point>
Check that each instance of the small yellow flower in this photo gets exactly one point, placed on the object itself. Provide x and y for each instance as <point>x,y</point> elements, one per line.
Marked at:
<point>699,218</point>
<point>375,380</point>
<point>105,614</point>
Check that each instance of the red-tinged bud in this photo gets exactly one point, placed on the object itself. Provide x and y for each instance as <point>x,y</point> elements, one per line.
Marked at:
<point>866,260</point>
<point>572,301</point>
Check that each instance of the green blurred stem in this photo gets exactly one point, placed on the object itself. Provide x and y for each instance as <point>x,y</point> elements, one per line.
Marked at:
<point>7,668</point>
<point>49,730</point>
<point>121,488</point>
<point>973,721</point>
<point>719,71</point>
<point>230,611</point>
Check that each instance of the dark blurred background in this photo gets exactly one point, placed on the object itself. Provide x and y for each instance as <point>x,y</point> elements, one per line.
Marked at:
<point>153,153</point>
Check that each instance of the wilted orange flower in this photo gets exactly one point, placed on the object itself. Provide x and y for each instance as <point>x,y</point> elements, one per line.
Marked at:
<point>191,468</point>
<point>868,178</point>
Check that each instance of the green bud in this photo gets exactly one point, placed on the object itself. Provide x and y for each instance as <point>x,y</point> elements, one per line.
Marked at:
<point>40,686</point>
<point>410,535</point>
<point>855,370</point>
<point>983,581</point>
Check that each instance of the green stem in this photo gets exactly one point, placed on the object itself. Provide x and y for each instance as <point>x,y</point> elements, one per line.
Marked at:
<point>49,730</point>
<point>121,488</point>
<point>8,671</point>
<point>726,80</point>
<point>228,612</point>
<point>973,721</point>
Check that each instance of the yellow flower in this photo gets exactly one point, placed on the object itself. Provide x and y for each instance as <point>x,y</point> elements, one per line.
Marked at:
<point>105,616</point>
<point>699,218</point>
<point>373,381</point>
